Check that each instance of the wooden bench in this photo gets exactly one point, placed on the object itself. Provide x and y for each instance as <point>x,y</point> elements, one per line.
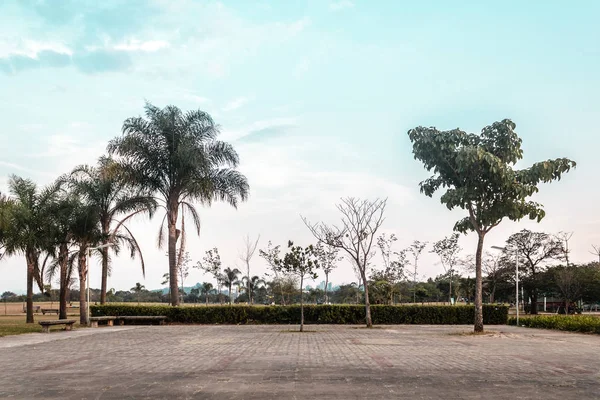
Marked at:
<point>142,318</point>
<point>49,311</point>
<point>109,320</point>
<point>68,323</point>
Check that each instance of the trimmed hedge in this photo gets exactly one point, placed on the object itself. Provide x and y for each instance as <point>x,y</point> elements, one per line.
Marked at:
<point>572,323</point>
<point>313,314</point>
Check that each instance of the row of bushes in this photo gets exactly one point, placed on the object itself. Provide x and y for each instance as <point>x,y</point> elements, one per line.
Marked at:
<point>572,323</point>
<point>313,314</point>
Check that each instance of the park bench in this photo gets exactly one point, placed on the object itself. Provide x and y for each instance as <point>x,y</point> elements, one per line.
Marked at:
<point>35,308</point>
<point>109,320</point>
<point>141,318</point>
<point>49,311</point>
<point>68,323</point>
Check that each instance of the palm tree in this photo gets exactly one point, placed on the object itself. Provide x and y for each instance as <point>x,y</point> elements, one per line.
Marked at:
<point>138,288</point>
<point>103,187</point>
<point>5,209</point>
<point>27,230</point>
<point>229,278</point>
<point>177,156</point>
<point>206,289</point>
<point>251,285</point>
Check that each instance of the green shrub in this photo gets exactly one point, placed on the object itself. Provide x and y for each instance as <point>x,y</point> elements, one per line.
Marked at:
<point>572,323</point>
<point>313,314</point>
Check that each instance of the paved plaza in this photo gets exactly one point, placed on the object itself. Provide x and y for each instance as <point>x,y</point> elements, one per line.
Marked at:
<point>270,362</point>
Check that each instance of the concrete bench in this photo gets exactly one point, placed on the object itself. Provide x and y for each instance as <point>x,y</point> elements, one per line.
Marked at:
<point>109,320</point>
<point>49,311</point>
<point>142,318</point>
<point>68,323</point>
<point>35,308</point>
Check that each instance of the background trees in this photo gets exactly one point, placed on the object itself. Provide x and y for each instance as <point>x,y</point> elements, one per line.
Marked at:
<point>478,172</point>
<point>177,157</point>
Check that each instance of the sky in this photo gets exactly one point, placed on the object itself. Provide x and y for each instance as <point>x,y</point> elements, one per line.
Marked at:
<point>316,96</point>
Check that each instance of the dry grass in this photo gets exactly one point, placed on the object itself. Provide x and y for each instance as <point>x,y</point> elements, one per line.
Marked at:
<point>15,325</point>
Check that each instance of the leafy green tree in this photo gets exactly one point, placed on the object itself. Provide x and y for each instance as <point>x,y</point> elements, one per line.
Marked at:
<point>27,230</point>
<point>479,176</point>
<point>117,200</point>
<point>303,263</point>
<point>5,209</point>
<point>230,277</point>
<point>176,156</point>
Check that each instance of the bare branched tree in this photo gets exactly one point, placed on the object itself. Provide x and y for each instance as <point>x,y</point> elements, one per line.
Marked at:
<point>246,255</point>
<point>360,221</point>
<point>596,252</point>
<point>564,238</point>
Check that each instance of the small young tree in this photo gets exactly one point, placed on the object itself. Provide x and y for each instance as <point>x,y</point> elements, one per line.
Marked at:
<point>327,256</point>
<point>415,249</point>
<point>211,264</point>
<point>270,254</point>
<point>563,238</point>
<point>183,269</point>
<point>361,219</point>
<point>447,250</point>
<point>394,263</point>
<point>300,262</point>
<point>246,256</point>
<point>477,172</point>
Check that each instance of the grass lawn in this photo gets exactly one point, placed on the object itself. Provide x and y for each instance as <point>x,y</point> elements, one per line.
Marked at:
<point>15,325</point>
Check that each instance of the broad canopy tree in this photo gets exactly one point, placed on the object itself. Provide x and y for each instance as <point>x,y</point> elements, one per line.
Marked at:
<point>478,175</point>
<point>177,157</point>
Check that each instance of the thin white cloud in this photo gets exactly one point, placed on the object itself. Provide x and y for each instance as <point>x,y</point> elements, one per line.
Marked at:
<point>148,46</point>
<point>341,5</point>
<point>236,134</point>
<point>236,103</point>
<point>31,48</point>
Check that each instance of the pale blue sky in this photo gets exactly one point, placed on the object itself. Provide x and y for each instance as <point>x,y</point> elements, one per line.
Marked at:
<point>317,97</point>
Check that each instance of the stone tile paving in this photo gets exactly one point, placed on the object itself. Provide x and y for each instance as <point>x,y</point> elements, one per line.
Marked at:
<point>270,362</point>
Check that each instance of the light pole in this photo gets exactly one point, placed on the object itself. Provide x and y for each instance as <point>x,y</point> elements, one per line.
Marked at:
<point>87,265</point>
<point>516,278</point>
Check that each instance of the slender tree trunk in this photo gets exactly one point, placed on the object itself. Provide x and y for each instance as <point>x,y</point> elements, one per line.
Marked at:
<point>367,303</point>
<point>478,285</point>
<point>30,267</point>
<point>534,299</point>
<point>301,305</point>
<point>172,211</point>
<point>230,294</point>
<point>63,259</point>
<point>104,273</point>
<point>82,286</point>
<point>450,299</point>
<point>326,283</point>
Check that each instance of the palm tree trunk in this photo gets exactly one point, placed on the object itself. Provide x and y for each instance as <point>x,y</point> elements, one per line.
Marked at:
<point>82,285</point>
<point>172,249</point>
<point>478,285</point>
<point>63,259</point>
<point>30,267</point>
<point>104,273</point>
<point>230,294</point>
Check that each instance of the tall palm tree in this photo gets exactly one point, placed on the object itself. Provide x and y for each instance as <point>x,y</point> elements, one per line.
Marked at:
<point>206,289</point>
<point>176,156</point>
<point>104,188</point>
<point>27,232</point>
<point>251,285</point>
<point>229,278</point>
